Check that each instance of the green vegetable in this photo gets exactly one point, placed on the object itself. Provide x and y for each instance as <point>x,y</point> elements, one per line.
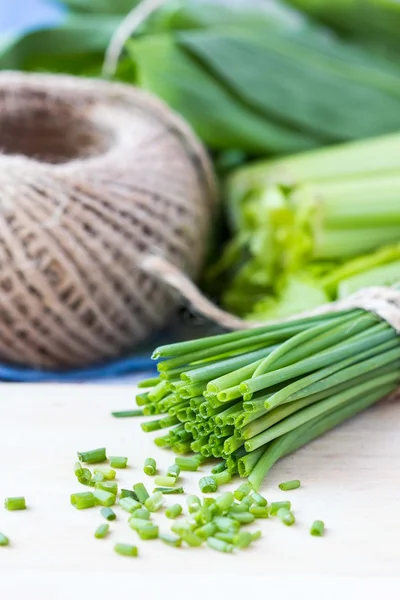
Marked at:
<point>171,540</point>
<point>317,528</point>
<point>78,469</point>
<point>150,466</point>
<point>373,23</point>
<point>208,484</point>
<point>286,516</point>
<point>17,503</point>
<point>108,486</point>
<point>118,462</point>
<point>93,456</point>
<point>173,511</point>
<point>139,489</point>
<point>169,490</point>
<point>164,481</point>
<point>311,228</point>
<point>173,471</point>
<point>154,502</point>
<point>129,504</point>
<point>122,414</point>
<point>83,500</point>
<point>102,531</point>
<point>108,513</point>
<point>219,545</point>
<point>187,463</point>
<point>289,485</point>
<point>129,494</point>
<point>126,550</point>
<point>4,541</point>
<point>103,497</point>
<point>107,472</point>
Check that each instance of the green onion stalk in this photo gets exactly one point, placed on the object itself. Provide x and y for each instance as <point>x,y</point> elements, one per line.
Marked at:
<point>251,397</point>
<point>311,228</point>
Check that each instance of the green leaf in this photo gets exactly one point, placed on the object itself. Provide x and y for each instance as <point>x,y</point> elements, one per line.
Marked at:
<point>299,293</point>
<point>220,119</point>
<point>324,93</point>
<point>76,47</point>
<point>121,7</point>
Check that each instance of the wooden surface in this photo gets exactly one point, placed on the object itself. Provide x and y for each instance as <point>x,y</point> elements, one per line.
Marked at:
<point>350,479</point>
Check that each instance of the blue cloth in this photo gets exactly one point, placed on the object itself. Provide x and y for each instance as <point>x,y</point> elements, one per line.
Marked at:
<point>17,16</point>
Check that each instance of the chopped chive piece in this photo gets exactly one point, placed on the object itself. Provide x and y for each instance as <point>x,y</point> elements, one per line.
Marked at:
<point>164,481</point>
<point>17,503</point>
<point>219,545</point>
<point>86,477</point>
<point>78,469</point>
<point>247,501</point>
<point>154,502</point>
<point>148,533</point>
<point>260,512</point>
<point>224,501</point>
<point>108,513</point>
<point>93,456</point>
<point>102,531</point>
<point>206,530</point>
<point>173,511</point>
<point>128,494</point>
<point>258,499</point>
<point>223,477</point>
<point>242,491</point>
<point>107,486</point>
<point>147,383</point>
<point>4,541</point>
<point>317,528</point>
<point>275,506</point>
<point>242,517</point>
<point>136,523</point>
<point>141,492</point>
<point>83,500</point>
<point>150,466</point>
<point>103,497</point>
<point>171,540</point>
<point>118,462</point>
<point>208,485</point>
<point>286,516</point>
<point>227,524</point>
<point>193,503</point>
<point>191,538</point>
<point>122,414</point>
<point>142,513</point>
<point>169,490</point>
<point>106,472</point>
<point>243,539</point>
<point>149,426</point>
<point>173,471</point>
<point>97,478</point>
<point>256,535</point>
<point>226,536</point>
<point>187,463</point>
<point>129,504</point>
<point>239,507</point>
<point>289,485</point>
<point>181,528</point>
<point>221,466</point>
<point>126,550</point>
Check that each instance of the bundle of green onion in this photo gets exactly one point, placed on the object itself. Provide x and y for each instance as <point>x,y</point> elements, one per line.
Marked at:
<point>254,396</point>
<point>312,227</point>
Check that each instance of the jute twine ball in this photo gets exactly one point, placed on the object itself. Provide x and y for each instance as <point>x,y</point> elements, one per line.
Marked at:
<point>93,176</point>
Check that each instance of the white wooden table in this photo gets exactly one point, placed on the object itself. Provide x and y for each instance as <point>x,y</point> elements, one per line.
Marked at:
<point>350,479</point>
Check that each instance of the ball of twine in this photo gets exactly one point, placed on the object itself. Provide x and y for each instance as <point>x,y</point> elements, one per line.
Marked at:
<point>93,175</point>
